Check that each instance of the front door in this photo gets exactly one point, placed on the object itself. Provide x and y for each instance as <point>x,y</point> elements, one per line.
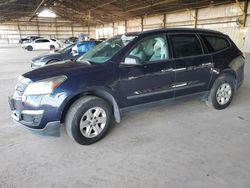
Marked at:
<point>151,77</point>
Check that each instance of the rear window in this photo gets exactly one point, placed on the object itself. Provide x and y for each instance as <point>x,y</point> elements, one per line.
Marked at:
<point>185,45</point>
<point>215,43</point>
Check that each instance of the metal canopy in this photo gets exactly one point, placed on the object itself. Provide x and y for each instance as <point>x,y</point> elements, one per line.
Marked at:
<point>96,12</point>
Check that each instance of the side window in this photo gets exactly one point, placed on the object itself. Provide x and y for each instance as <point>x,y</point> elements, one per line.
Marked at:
<point>45,40</point>
<point>42,41</point>
<point>185,45</point>
<point>151,49</point>
<point>215,43</point>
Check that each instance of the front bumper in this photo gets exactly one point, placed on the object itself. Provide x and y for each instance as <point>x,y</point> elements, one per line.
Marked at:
<point>35,120</point>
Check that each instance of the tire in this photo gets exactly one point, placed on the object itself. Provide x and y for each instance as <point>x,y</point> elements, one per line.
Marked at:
<point>222,92</point>
<point>79,125</point>
<point>52,47</point>
<point>29,48</point>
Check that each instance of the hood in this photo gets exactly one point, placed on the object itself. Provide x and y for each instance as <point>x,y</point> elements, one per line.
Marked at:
<point>56,69</point>
<point>47,56</point>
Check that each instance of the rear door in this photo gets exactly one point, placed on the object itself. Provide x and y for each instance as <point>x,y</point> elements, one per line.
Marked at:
<point>191,65</point>
<point>42,44</point>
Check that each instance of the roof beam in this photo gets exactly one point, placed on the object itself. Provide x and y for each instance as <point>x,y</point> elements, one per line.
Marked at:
<point>38,7</point>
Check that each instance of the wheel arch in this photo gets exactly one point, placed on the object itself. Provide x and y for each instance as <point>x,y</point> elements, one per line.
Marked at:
<point>230,71</point>
<point>98,93</point>
<point>52,61</point>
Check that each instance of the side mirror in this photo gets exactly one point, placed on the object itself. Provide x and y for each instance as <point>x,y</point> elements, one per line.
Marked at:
<point>132,60</point>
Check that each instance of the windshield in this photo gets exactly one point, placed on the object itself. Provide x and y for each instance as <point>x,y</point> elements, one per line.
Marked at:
<point>106,50</point>
<point>68,48</point>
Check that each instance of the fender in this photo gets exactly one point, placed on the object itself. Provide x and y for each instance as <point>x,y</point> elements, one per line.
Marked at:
<point>234,68</point>
<point>108,97</point>
<point>237,65</point>
<point>98,92</point>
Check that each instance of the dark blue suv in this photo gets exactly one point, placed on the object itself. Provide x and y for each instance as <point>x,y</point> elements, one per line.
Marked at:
<point>127,70</point>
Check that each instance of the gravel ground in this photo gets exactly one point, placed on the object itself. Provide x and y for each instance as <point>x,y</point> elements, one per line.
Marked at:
<point>177,145</point>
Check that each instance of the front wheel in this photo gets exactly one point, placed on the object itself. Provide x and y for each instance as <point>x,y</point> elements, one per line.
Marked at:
<point>222,92</point>
<point>88,120</point>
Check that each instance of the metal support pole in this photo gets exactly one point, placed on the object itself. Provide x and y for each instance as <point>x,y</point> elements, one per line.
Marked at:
<point>88,29</point>
<point>126,26</point>
<point>113,26</point>
<point>164,20</point>
<point>38,30</point>
<point>56,28</point>
<point>245,13</point>
<point>19,30</point>
<point>142,24</point>
<point>72,32</point>
<point>243,10</point>
<point>195,18</point>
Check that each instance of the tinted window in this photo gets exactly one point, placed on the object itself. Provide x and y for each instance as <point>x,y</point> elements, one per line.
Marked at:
<point>185,45</point>
<point>214,43</point>
<point>42,41</point>
<point>151,49</point>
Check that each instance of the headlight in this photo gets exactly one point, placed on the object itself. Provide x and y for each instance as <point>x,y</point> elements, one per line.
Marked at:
<point>45,86</point>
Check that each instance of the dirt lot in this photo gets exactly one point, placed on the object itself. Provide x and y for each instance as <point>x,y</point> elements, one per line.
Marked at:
<point>184,144</point>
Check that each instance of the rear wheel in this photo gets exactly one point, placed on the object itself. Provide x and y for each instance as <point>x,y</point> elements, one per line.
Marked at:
<point>222,92</point>
<point>29,48</point>
<point>52,47</point>
<point>88,120</point>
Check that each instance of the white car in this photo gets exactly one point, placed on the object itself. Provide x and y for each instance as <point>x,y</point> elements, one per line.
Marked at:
<point>41,44</point>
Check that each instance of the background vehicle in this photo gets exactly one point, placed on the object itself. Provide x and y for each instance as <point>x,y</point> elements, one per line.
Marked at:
<point>28,39</point>
<point>64,54</point>
<point>58,42</point>
<point>41,44</point>
<point>70,40</point>
<point>124,71</point>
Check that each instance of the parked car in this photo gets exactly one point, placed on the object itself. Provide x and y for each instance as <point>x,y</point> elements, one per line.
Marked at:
<point>41,44</point>
<point>70,40</point>
<point>58,42</point>
<point>124,71</point>
<point>28,39</point>
<point>64,54</point>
